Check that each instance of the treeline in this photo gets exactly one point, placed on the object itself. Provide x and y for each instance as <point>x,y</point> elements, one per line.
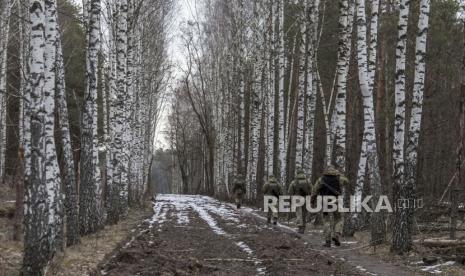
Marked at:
<point>80,93</point>
<point>372,87</point>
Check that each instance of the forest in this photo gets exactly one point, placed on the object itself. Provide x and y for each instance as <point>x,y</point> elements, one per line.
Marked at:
<point>240,91</point>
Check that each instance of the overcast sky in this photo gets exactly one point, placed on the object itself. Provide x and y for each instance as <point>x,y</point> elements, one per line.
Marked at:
<point>183,13</point>
<point>184,10</point>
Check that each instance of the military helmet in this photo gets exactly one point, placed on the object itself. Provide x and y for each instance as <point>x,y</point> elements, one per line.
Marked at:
<point>300,173</point>
<point>272,179</point>
<point>331,170</point>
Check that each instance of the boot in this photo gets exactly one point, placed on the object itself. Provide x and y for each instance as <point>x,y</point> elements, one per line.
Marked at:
<point>301,229</point>
<point>238,205</point>
<point>336,241</point>
<point>327,243</point>
<point>268,220</point>
<point>275,221</point>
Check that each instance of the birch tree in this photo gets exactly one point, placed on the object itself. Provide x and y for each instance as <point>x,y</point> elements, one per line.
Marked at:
<point>402,230</point>
<point>89,188</point>
<point>311,89</point>
<point>399,123</point>
<point>300,97</point>
<point>344,50</point>
<point>42,196</point>
<point>68,174</point>
<point>4,33</point>
<point>369,136</point>
<point>119,185</point>
<point>281,106</point>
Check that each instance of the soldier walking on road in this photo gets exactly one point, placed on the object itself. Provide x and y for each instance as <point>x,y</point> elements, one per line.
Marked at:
<point>331,184</point>
<point>272,188</point>
<point>300,186</point>
<point>239,190</point>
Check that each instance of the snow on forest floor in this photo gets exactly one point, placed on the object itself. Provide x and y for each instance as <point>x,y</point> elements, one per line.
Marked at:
<point>203,236</point>
<point>193,234</point>
<point>360,255</point>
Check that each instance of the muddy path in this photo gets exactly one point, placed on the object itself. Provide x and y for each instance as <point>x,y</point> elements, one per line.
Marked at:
<point>198,235</point>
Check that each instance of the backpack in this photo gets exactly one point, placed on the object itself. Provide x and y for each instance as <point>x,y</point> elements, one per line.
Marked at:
<point>274,189</point>
<point>238,187</point>
<point>302,188</point>
<point>330,186</point>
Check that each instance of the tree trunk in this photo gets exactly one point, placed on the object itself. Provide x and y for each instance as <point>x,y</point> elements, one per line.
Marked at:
<point>90,186</point>
<point>68,174</point>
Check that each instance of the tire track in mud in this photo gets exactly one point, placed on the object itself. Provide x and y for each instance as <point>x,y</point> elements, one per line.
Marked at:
<point>181,238</point>
<point>226,215</point>
<point>200,235</point>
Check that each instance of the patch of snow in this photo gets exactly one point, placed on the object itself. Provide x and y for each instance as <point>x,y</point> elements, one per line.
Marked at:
<point>221,210</point>
<point>416,263</point>
<point>434,268</point>
<point>314,231</point>
<point>261,270</point>
<point>205,206</point>
<point>208,219</point>
<point>159,216</point>
<point>349,242</point>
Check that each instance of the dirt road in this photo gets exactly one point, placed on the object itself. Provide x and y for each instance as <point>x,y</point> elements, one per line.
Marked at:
<point>202,236</point>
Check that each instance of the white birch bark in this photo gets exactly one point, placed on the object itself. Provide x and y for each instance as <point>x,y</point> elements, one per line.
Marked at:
<point>36,237</point>
<point>89,189</point>
<point>405,175</point>
<point>119,158</point>
<point>344,51</point>
<point>369,126</point>
<point>255,101</point>
<point>52,173</point>
<point>282,112</point>
<point>418,90</point>
<point>4,32</point>
<point>399,121</point>
<point>311,17</point>
<point>110,204</point>
<point>271,103</point>
<point>301,88</point>
<point>42,190</point>
<point>371,68</point>
<point>372,51</point>
<point>69,178</point>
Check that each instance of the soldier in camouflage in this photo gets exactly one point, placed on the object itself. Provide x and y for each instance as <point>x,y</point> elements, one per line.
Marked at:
<point>332,183</point>
<point>272,188</point>
<point>300,186</point>
<point>239,190</point>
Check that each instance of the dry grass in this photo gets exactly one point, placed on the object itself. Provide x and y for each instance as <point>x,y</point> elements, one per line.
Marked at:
<point>10,256</point>
<point>81,259</point>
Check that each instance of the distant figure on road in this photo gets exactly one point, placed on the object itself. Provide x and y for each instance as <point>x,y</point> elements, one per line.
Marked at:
<point>300,186</point>
<point>331,184</point>
<point>272,188</point>
<point>239,190</point>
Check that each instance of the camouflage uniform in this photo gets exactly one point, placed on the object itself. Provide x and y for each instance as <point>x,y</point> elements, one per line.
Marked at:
<point>300,186</point>
<point>272,188</point>
<point>238,190</point>
<point>332,220</point>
